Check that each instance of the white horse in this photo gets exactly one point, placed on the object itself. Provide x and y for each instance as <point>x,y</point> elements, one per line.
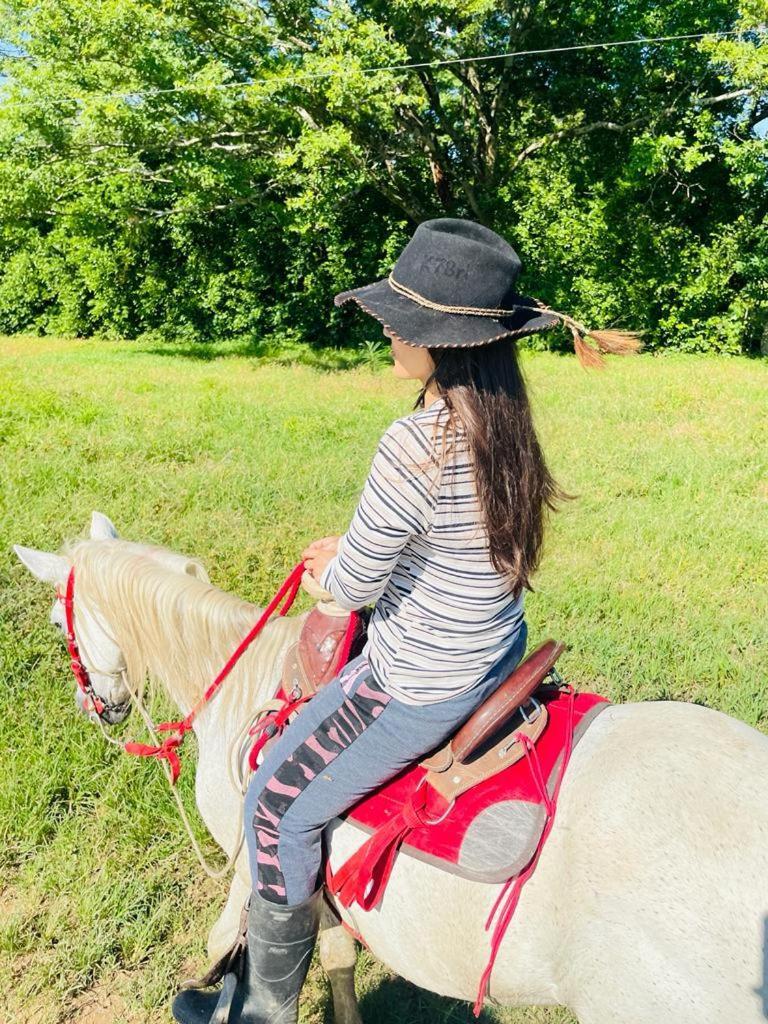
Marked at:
<point>649,904</point>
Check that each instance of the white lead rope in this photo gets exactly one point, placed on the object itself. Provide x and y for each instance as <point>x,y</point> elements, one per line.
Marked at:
<point>238,770</point>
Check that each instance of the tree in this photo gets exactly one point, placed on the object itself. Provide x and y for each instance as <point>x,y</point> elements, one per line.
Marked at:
<point>220,167</point>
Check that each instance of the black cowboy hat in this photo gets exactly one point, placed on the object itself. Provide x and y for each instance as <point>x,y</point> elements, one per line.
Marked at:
<point>453,285</point>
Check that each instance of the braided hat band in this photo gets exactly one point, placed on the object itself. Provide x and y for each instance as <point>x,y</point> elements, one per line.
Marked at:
<point>440,307</point>
<point>617,342</point>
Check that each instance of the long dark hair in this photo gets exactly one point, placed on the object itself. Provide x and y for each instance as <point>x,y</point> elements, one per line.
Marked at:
<point>484,391</point>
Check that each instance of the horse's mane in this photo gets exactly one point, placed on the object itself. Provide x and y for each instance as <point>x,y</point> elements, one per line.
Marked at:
<point>168,620</point>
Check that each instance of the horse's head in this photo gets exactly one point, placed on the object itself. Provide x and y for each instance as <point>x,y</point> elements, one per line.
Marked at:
<point>103,690</point>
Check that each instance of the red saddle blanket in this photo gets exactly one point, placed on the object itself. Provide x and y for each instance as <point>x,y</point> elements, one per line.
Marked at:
<point>490,832</point>
<point>493,832</point>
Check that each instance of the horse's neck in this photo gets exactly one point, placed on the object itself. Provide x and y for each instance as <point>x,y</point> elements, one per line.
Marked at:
<point>252,681</point>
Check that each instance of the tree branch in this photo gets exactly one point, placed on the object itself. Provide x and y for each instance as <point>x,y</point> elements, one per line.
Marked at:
<point>438,162</point>
<point>436,103</point>
<point>614,126</point>
<point>237,201</point>
<point>485,144</point>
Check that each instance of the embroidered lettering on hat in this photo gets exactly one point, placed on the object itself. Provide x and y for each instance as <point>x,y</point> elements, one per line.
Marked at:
<point>440,266</point>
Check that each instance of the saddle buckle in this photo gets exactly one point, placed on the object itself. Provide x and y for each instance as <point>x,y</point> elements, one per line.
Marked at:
<point>529,717</point>
<point>433,821</point>
<point>554,675</point>
<point>536,711</point>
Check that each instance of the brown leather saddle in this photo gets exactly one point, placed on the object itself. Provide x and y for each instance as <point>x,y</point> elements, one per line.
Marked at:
<point>482,747</point>
<point>315,659</point>
<point>485,744</point>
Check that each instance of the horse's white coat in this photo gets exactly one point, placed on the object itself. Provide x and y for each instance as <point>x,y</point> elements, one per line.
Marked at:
<point>649,904</point>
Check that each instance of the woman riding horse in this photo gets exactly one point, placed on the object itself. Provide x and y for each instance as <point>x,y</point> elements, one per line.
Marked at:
<point>445,538</point>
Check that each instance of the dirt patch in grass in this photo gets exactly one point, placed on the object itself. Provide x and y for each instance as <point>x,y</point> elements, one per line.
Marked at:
<point>102,1004</point>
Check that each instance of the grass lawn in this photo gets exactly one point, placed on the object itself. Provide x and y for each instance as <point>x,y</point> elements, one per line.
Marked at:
<point>656,578</point>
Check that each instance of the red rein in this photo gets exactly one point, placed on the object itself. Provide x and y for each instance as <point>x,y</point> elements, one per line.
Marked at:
<point>168,749</point>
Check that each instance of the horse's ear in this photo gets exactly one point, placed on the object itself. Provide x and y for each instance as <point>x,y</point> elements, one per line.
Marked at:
<point>180,563</point>
<point>194,568</point>
<point>45,565</point>
<point>102,527</point>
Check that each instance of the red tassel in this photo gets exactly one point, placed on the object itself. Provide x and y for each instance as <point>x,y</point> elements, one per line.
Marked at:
<point>165,752</point>
<point>364,876</point>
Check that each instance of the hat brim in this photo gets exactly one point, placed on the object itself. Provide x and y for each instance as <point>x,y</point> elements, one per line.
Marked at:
<point>415,324</point>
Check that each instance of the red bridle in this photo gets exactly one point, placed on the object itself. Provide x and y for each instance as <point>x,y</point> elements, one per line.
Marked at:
<point>167,750</point>
<point>79,671</point>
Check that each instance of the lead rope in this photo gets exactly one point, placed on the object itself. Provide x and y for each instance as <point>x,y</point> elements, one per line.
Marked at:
<point>239,776</point>
<point>146,718</point>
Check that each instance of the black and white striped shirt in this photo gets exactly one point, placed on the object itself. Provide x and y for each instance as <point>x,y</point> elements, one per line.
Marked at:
<point>418,548</point>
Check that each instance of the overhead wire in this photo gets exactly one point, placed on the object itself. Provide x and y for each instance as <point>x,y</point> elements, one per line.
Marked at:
<point>136,94</point>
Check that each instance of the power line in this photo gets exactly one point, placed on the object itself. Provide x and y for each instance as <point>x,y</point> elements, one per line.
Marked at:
<point>480,58</point>
<point>560,49</point>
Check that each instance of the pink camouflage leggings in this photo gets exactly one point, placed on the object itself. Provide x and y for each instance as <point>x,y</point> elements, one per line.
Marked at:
<point>347,741</point>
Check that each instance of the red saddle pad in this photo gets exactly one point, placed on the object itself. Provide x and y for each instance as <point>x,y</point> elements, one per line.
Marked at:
<point>493,829</point>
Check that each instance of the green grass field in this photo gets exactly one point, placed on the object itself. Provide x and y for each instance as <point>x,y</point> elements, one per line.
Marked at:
<point>656,579</point>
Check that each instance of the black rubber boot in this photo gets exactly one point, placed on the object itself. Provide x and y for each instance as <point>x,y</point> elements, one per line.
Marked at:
<point>280,944</point>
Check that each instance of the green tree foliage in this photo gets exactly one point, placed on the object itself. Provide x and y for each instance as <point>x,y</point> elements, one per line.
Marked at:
<point>213,168</point>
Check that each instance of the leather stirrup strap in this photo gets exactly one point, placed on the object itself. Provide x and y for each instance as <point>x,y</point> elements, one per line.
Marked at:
<point>230,962</point>
<point>223,1009</point>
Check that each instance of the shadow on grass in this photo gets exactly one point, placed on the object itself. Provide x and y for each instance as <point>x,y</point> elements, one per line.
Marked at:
<point>324,358</point>
<point>202,353</point>
<point>321,358</point>
<point>395,1001</point>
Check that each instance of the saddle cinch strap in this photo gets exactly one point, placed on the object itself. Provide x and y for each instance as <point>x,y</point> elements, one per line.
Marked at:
<point>501,732</point>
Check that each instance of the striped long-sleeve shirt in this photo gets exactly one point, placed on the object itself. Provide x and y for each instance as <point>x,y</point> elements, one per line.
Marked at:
<point>417,546</point>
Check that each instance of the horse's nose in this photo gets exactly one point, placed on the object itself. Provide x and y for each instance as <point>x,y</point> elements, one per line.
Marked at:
<point>114,715</point>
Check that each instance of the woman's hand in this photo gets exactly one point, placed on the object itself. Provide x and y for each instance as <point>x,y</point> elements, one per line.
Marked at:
<point>318,554</point>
